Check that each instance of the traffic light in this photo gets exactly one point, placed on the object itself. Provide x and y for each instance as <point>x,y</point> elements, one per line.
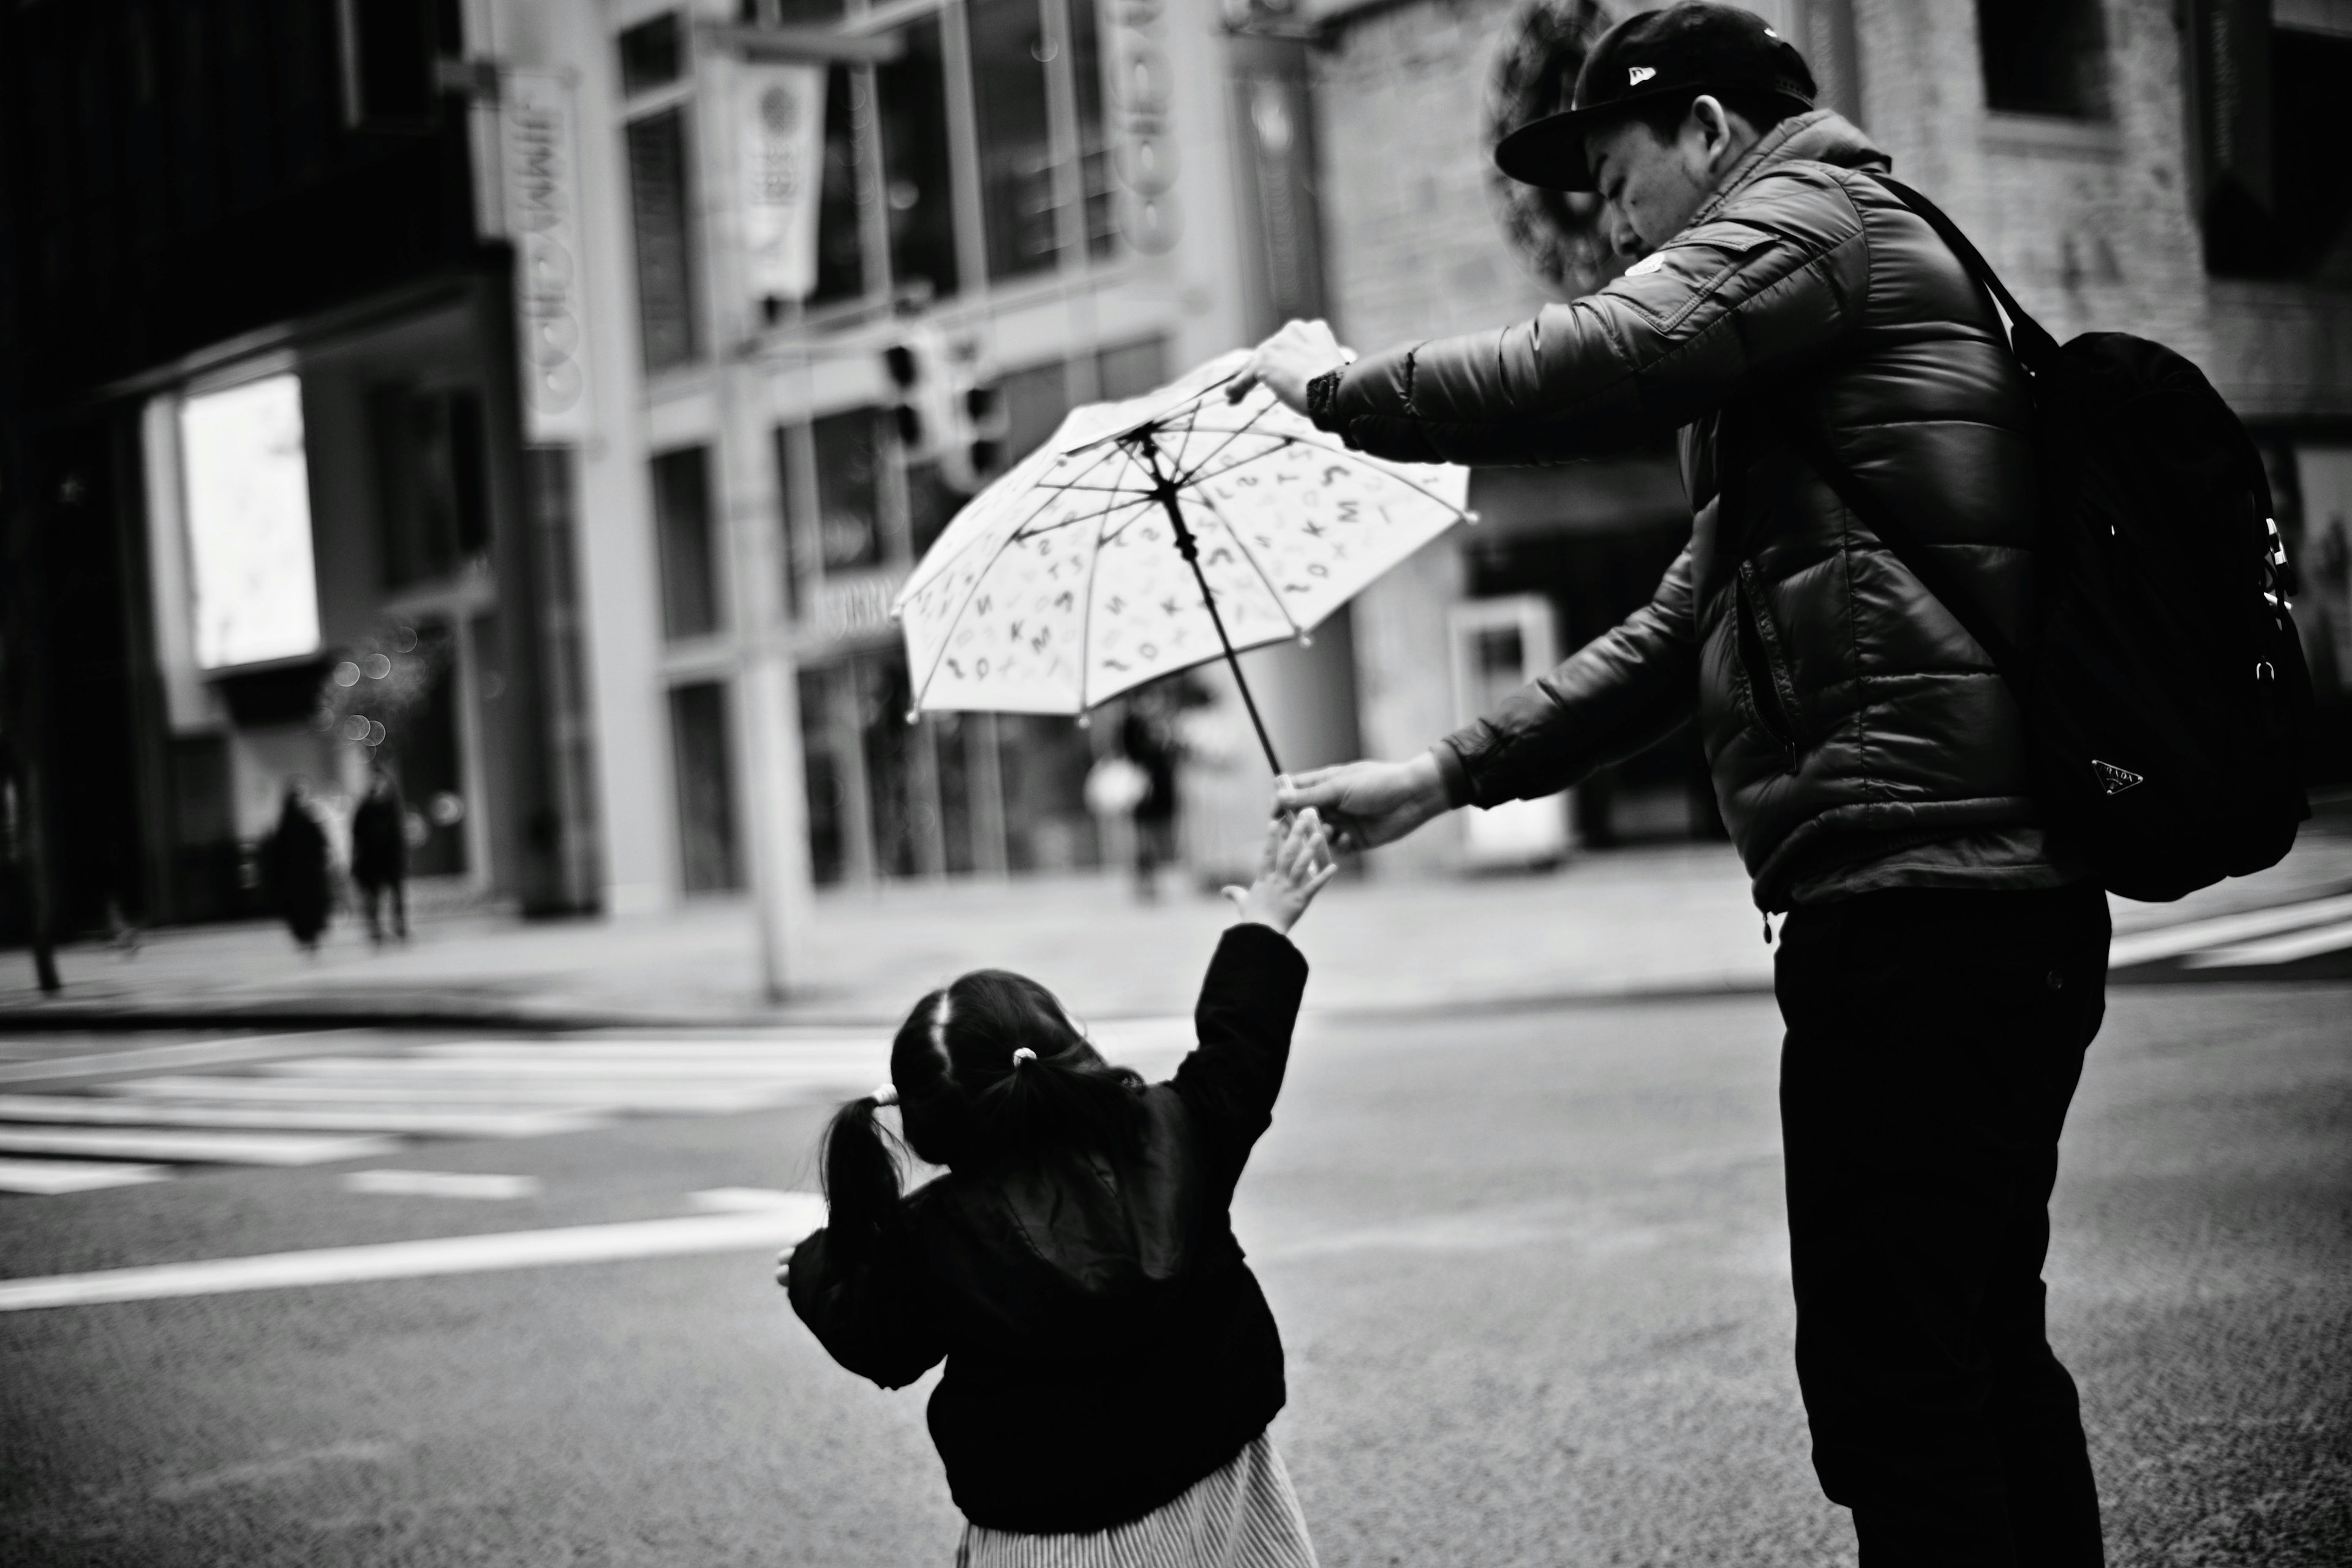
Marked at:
<point>946,407</point>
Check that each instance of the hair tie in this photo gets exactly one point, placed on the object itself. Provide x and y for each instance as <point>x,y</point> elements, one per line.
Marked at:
<point>1023,1055</point>
<point>887,1095</point>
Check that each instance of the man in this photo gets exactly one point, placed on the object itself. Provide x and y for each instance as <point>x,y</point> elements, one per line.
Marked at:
<point>1943,962</point>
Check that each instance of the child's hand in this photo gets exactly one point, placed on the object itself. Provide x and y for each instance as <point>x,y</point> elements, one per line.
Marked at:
<point>1296,864</point>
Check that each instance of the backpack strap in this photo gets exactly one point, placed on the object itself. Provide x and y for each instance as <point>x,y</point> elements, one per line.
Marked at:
<point>2028,339</point>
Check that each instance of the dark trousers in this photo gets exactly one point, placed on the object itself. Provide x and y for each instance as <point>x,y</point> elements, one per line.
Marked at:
<point>373,895</point>
<point>1934,1041</point>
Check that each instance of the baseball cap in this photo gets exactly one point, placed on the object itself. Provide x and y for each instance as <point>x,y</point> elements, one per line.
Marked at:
<point>1696,46</point>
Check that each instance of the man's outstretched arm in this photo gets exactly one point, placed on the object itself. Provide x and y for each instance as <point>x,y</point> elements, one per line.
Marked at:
<point>1615,696</point>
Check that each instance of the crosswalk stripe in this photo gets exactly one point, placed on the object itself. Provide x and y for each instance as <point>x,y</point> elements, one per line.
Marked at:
<point>716,1099</point>
<point>2193,936</point>
<point>2286,949</point>
<point>51,1178</point>
<point>91,1110</point>
<point>865,1045</point>
<point>192,1148</point>
<point>759,1229</point>
<point>540,1066</point>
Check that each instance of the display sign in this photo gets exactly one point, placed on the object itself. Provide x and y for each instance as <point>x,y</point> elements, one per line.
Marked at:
<point>780,142</point>
<point>247,484</point>
<point>540,175</point>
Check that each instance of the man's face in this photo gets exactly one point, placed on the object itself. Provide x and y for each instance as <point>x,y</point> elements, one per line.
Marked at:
<point>1652,187</point>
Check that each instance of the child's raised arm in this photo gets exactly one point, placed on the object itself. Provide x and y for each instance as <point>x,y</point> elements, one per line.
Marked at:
<point>1291,870</point>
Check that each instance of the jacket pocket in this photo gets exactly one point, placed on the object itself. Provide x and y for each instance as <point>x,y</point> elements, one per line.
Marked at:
<point>1733,243</point>
<point>1764,664</point>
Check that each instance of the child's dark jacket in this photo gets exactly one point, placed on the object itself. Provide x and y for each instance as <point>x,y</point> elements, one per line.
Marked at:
<point>1107,1346</point>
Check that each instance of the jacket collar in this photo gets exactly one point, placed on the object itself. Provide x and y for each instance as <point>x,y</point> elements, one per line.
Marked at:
<point>1821,136</point>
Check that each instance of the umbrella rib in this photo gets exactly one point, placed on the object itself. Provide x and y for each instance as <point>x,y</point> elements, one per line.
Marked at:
<point>1235,534</point>
<point>1087,612</point>
<point>1250,428</point>
<point>1013,536</point>
<point>1024,531</point>
<point>1386,470</point>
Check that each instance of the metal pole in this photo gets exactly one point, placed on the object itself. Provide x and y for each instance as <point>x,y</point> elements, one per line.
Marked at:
<point>1190,549</point>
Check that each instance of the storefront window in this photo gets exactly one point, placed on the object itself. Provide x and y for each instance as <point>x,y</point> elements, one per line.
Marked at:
<point>706,791</point>
<point>659,205</point>
<point>1009,56</point>
<point>431,488</point>
<point>682,523</point>
<point>918,180</point>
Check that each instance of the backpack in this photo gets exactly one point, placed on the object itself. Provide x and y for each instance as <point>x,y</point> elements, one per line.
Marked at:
<point>2163,686</point>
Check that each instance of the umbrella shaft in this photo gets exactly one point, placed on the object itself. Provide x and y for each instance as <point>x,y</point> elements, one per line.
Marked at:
<point>1191,551</point>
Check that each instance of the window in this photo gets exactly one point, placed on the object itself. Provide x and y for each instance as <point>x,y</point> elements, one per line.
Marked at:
<point>918,183</point>
<point>840,232</point>
<point>431,485</point>
<point>2044,57</point>
<point>247,483</point>
<point>658,203</point>
<point>653,55</point>
<point>849,489</point>
<point>2276,193</point>
<point>689,577</point>
<point>706,788</point>
<point>1009,51</point>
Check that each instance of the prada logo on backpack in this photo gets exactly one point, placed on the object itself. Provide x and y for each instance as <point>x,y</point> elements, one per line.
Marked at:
<point>2113,780</point>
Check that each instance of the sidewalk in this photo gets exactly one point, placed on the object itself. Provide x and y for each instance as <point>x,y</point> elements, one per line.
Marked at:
<point>1667,920</point>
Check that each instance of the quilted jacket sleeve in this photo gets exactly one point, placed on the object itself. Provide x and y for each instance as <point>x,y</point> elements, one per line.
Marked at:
<point>1757,292</point>
<point>871,1315</point>
<point>1618,694</point>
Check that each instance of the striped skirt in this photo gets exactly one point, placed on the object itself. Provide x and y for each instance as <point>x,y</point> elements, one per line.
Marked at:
<point>1244,1515</point>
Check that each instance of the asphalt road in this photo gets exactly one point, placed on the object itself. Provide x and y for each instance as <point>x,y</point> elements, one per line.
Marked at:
<point>1529,1269</point>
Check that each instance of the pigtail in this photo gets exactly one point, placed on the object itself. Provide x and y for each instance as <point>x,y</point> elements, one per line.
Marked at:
<point>859,1162</point>
<point>1067,1097</point>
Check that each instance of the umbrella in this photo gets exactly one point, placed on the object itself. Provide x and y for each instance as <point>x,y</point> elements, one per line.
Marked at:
<point>1152,536</point>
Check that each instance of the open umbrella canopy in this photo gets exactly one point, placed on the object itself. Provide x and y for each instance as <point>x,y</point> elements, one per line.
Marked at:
<point>1151,535</point>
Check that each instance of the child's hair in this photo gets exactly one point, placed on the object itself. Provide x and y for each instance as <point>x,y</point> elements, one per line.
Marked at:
<point>965,1101</point>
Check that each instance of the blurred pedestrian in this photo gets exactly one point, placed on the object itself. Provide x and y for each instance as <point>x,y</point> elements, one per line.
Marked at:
<point>380,853</point>
<point>1147,736</point>
<point>1111,1363</point>
<point>1944,960</point>
<point>295,863</point>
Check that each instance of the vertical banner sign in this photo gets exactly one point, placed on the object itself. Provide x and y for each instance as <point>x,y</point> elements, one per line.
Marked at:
<point>780,131</point>
<point>541,179</point>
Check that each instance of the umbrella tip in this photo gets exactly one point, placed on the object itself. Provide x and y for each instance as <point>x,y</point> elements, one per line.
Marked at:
<point>912,714</point>
<point>1306,639</point>
<point>1085,720</point>
<point>1469,517</point>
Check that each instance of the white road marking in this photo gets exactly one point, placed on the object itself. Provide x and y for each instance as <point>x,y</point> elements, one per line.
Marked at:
<point>766,1228</point>
<point>86,1110</point>
<point>522,1067</point>
<point>186,1054</point>
<point>192,1148</point>
<point>50,1177</point>
<point>838,1046</point>
<point>2193,936</point>
<point>593,1096</point>
<point>743,1200</point>
<point>2278,949</point>
<point>442,1184</point>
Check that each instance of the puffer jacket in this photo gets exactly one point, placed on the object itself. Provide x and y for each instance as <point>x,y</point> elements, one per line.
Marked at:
<point>1107,1346</point>
<point>1844,710</point>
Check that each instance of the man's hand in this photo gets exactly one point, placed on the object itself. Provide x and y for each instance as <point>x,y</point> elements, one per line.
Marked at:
<point>1291,870</point>
<point>1368,803</point>
<point>1287,361</point>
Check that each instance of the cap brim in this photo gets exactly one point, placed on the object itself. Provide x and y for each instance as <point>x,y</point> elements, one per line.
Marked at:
<point>1549,153</point>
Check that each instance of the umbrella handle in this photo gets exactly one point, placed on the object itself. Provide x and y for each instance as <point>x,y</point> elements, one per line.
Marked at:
<point>1190,549</point>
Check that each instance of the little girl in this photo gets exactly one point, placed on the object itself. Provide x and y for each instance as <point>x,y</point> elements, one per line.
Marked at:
<point>1111,1363</point>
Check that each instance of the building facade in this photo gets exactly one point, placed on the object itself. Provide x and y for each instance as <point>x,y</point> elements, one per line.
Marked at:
<point>547,398</point>
<point>2133,165</point>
